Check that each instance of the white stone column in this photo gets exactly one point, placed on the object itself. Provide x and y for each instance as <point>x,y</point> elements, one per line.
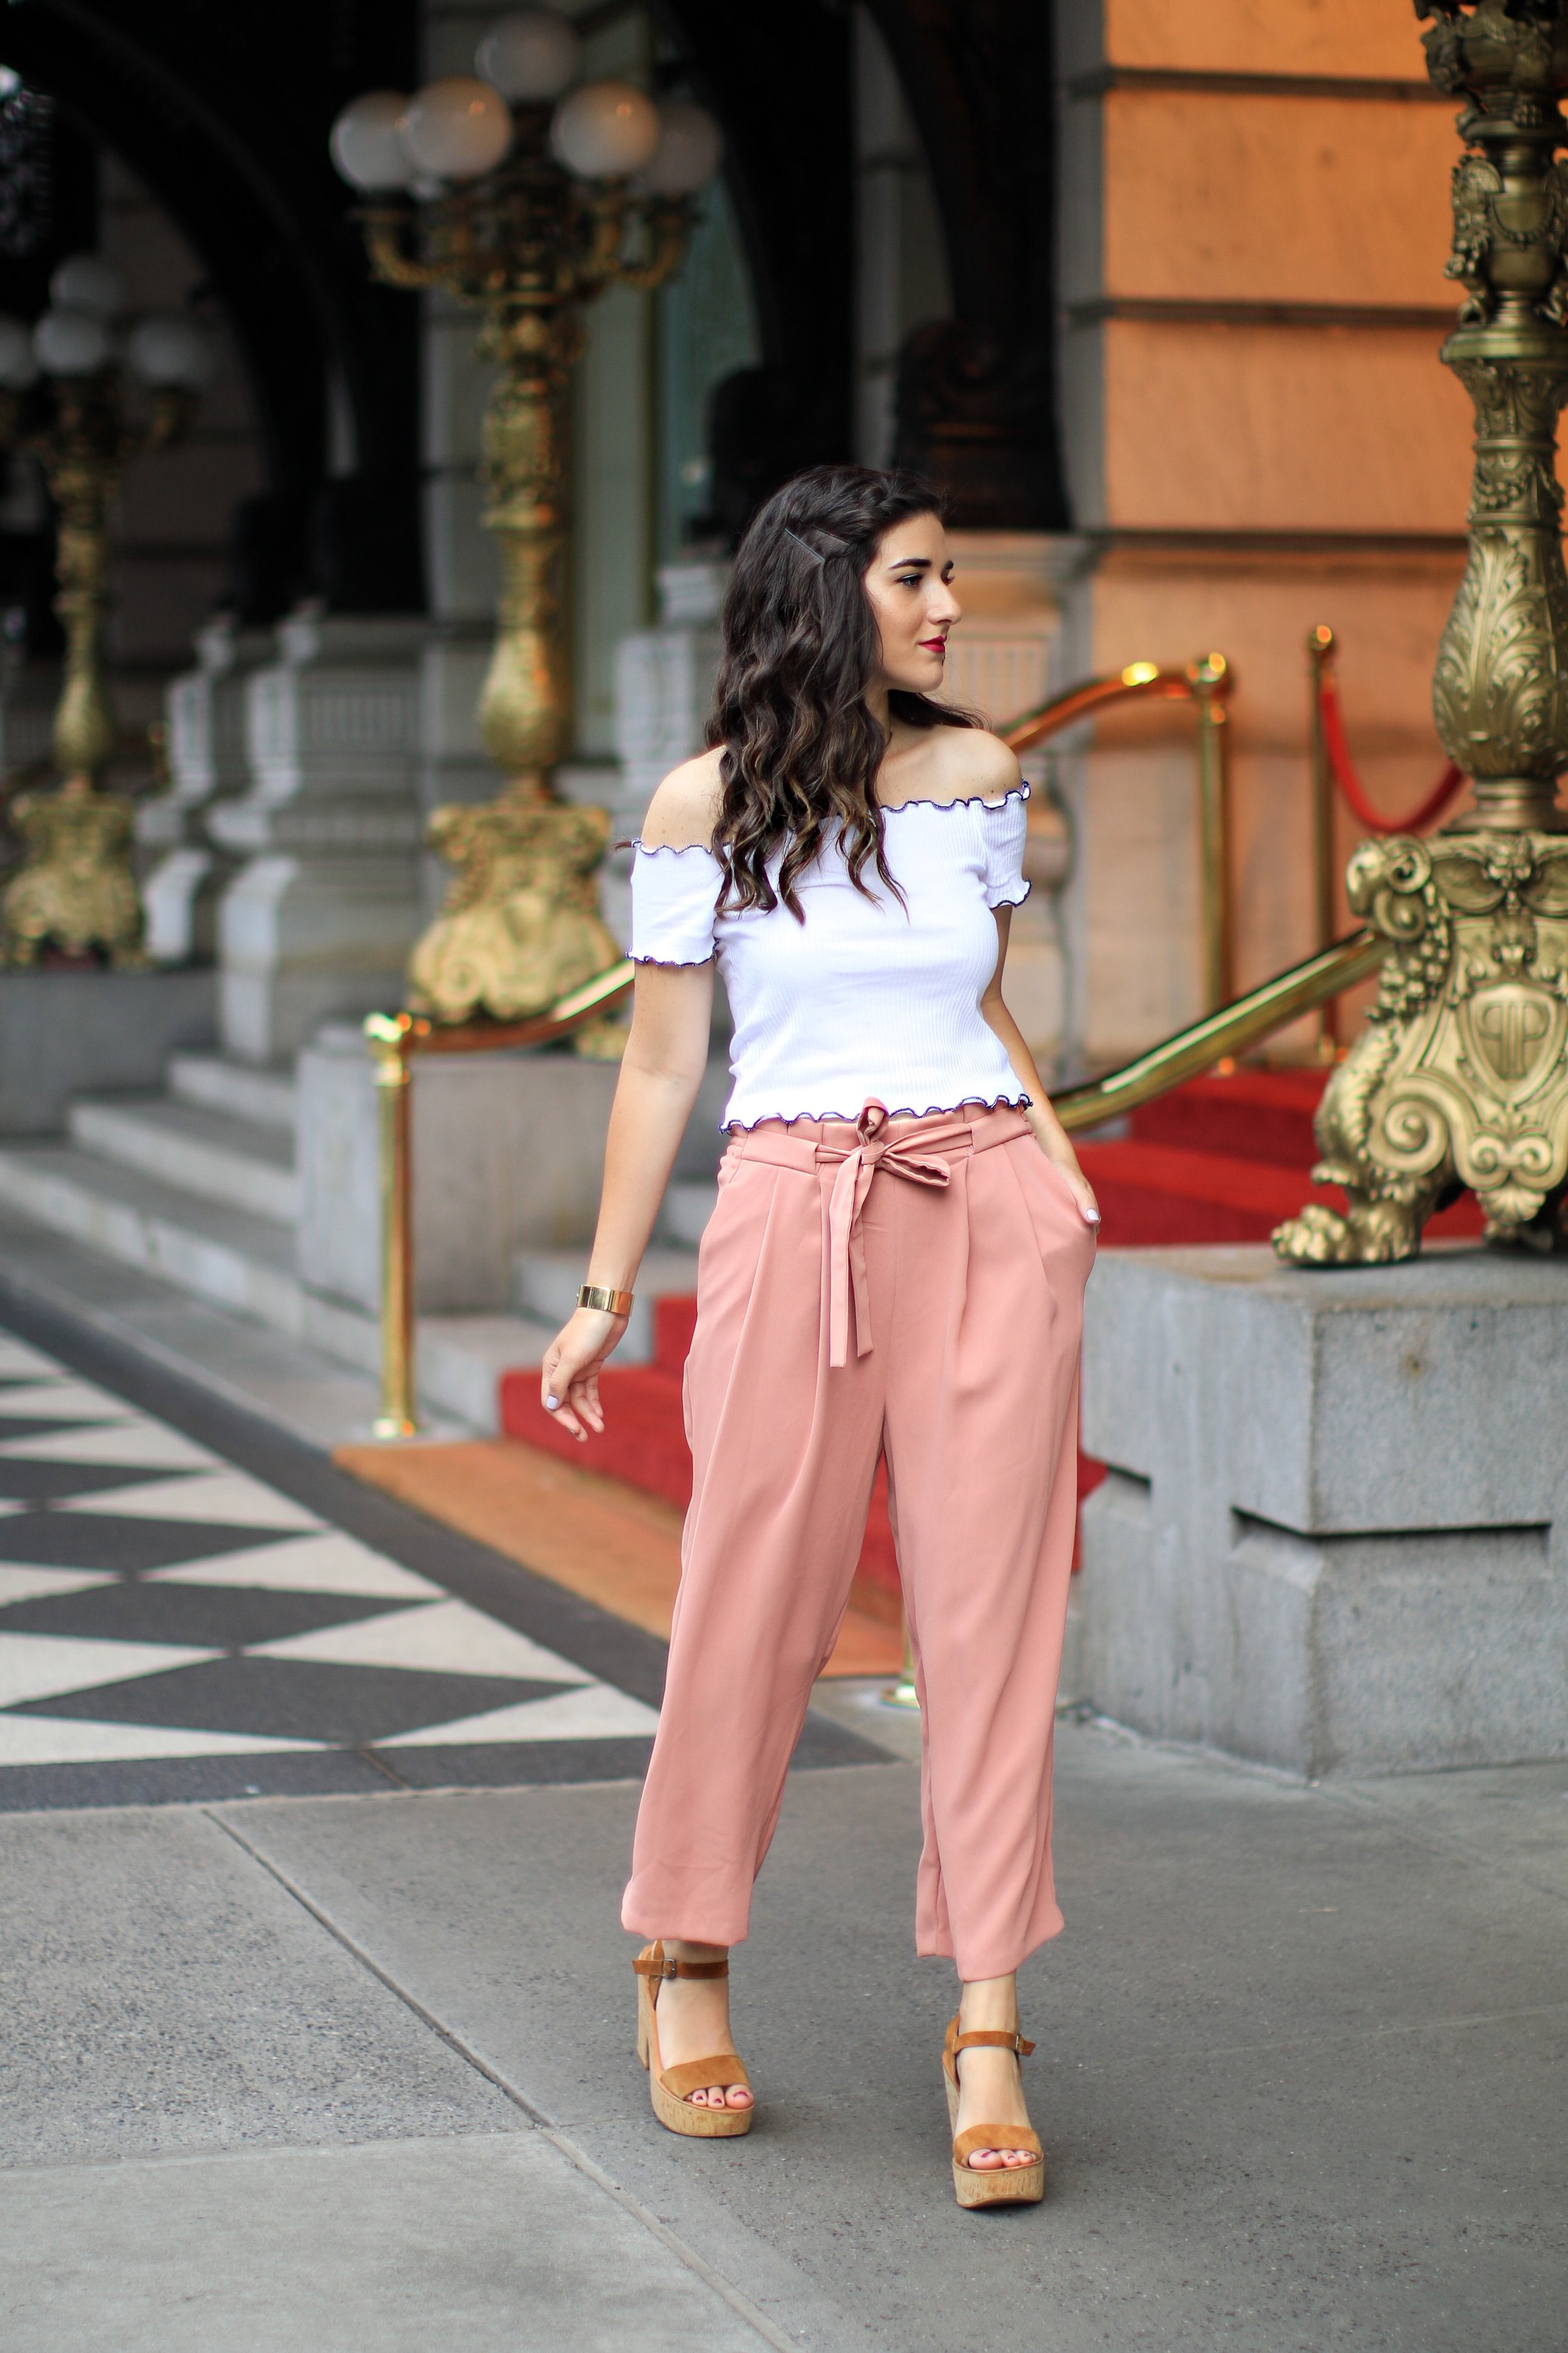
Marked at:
<point>663,692</point>
<point>1002,661</point>
<point>205,716</point>
<point>321,918</point>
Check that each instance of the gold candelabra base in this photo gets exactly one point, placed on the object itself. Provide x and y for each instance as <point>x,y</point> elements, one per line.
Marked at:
<point>76,890</point>
<point>522,928</point>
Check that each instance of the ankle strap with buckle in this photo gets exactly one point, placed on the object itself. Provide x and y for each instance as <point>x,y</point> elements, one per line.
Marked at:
<point>994,2040</point>
<point>657,1963</point>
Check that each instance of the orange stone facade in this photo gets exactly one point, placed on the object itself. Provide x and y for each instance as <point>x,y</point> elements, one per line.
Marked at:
<point>1259,438</point>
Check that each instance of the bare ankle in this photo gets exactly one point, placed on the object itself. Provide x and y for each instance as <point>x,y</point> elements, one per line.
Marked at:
<point>989,2005</point>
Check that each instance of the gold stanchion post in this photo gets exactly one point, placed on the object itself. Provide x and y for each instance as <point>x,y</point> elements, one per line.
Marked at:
<point>1319,654</point>
<point>904,1692</point>
<point>1211,683</point>
<point>388,1036</point>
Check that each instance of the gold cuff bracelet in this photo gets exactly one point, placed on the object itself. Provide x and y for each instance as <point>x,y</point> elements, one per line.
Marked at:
<point>608,1303</point>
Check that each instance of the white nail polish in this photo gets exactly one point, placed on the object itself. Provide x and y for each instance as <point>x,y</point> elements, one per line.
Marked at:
<point>551,1403</point>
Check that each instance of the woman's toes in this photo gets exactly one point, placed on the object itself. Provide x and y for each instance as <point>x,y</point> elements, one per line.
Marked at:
<point>984,2160</point>
<point>737,2096</point>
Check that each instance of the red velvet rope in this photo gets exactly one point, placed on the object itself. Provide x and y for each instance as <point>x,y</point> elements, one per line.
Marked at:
<point>1349,784</point>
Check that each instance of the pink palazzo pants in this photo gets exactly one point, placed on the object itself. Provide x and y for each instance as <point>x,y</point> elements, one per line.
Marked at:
<point>914,1291</point>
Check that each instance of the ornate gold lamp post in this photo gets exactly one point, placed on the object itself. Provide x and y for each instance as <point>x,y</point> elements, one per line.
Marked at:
<point>76,889</point>
<point>1461,1075</point>
<point>529,208</point>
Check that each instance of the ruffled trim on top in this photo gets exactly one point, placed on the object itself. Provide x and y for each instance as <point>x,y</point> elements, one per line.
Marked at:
<point>1014,896</point>
<point>678,964</point>
<point>974,800</point>
<point>900,1111</point>
<point>897,809</point>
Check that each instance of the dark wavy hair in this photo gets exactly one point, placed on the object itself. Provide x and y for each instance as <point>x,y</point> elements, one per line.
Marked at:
<point>801,747</point>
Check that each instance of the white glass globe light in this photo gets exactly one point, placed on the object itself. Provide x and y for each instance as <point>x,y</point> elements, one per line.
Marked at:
<point>529,56</point>
<point>366,144</point>
<point>456,128</point>
<point>604,130</point>
<point>85,282</point>
<point>72,343</point>
<point>689,146</point>
<point>18,360</point>
<point>172,351</point>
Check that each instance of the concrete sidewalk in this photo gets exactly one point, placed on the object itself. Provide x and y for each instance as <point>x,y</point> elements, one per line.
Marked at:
<point>352,2072</point>
<point>314,2075</point>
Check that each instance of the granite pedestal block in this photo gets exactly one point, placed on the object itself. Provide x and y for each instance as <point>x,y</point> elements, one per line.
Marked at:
<point>506,1150</point>
<point>65,1033</point>
<point>1334,1533</point>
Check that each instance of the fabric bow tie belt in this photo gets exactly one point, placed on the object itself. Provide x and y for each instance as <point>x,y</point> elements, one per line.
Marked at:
<point>911,1154</point>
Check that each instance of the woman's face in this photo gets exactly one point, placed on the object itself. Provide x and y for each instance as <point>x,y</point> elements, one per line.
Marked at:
<point>908,587</point>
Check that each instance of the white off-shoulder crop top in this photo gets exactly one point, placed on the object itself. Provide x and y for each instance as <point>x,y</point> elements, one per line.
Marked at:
<point>867,1000</point>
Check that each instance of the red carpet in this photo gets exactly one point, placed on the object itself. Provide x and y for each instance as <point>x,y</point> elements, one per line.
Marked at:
<point>1222,1159</point>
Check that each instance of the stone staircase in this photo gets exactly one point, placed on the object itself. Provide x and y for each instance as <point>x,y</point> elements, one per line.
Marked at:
<point>198,1186</point>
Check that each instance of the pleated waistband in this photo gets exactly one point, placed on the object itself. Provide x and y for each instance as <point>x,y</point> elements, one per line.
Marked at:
<point>858,1151</point>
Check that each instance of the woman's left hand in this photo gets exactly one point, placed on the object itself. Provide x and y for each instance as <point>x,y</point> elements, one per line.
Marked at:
<point>1082,1191</point>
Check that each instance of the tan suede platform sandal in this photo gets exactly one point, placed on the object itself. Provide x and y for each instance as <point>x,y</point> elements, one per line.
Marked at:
<point>668,2086</point>
<point>1006,2185</point>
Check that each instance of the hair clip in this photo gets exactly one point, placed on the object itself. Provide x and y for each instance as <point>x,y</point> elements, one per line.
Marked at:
<point>815,554</point>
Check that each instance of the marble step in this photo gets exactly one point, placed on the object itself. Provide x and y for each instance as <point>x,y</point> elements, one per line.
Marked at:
<point>265,1098</point>
<point>245,1264</point>
<point>196,1150</point>
<point>544,1285</point>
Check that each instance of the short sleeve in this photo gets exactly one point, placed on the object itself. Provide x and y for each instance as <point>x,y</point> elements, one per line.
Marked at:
<point>1006,826</point>
<point>675,894</point>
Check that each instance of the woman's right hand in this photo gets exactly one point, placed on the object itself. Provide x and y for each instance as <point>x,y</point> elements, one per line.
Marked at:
<point>569,1383</point>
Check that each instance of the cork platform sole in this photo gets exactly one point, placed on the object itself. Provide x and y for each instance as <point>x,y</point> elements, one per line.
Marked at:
<point>1013,2185</point>
<point>668,2086</point>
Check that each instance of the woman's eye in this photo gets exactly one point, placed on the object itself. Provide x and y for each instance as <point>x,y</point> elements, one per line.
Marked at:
<point>908,580</point>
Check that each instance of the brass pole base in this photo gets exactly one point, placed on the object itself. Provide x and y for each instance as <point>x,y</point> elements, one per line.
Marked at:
<point>904,1692</point>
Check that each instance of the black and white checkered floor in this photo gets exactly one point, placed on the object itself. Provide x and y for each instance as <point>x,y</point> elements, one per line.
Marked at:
<point>172,1626</point>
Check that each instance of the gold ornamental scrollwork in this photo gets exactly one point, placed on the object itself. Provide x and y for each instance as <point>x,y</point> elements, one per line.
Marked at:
<point>76,890</point>
<point>522,926</point>
<point>1460,1076</point>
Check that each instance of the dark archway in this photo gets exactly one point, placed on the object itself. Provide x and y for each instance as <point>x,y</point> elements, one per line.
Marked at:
<point>977,397</point>
<point>224,114</point>
<point>779,82</point>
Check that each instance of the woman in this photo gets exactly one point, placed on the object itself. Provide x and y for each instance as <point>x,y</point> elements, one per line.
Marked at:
<point>895,1266</point>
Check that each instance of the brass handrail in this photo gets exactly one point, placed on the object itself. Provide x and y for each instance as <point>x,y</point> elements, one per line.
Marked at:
<point>1236,1027</point>
<point>394,1039</point>
<point>1206,684</point>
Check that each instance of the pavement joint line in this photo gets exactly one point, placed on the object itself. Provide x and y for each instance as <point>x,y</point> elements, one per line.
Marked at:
<point>28,1287</point>
<point>737,2302</point>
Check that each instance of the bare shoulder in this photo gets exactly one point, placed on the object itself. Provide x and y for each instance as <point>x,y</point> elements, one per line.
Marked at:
<point>972,764</point>
<point>685,809</point>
